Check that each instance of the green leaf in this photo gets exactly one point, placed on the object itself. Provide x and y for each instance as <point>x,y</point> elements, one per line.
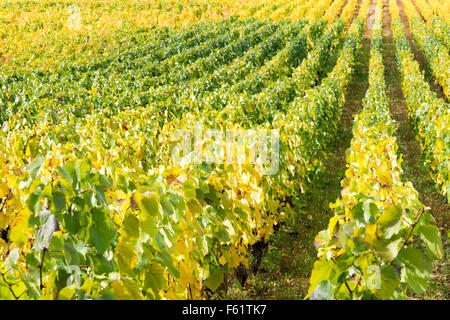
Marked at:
<point>388,250</point>
<point>415,259</point>
<point>31,285</point>
<point>148,226</point>
<point>154,278</point>
<point>214,280</point>
<point>80,247</point>
<point>65,174</point>
<point>365,212</point>
<point>167,206</point>
<point>432,239</point>
<point>416,282</point>
<point>389,223</point>
<point>165,258</point>
<point>72,221</point>
<point>189,188</point>
<point>59,200</point>
<point>390,217</point>
<point>126,256</point>
<point>33,202</point>
<point>104,182</point>
<point>70,254</point>
<point>370,211</point>
<point>148,204</point>
<point>179,207</point>
<point>194,206</point>
<point>202,245</point>
<point>35,166</point>
<point>101,231</point>
<point>131,226</point>
<point>101,197</point>
<point>389,281</point>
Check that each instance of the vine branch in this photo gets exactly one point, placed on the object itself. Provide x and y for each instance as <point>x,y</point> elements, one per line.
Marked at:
<point>351,292</point>
<point>9,286</point>
<point>409,234</point>
<point>41,285</point>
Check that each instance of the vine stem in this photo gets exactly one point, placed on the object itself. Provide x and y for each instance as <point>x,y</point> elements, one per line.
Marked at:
<point>351,292</point>
<point>9,286</point>
<point>41,285</point>
<point>409,234</point>
<point>190,291</point>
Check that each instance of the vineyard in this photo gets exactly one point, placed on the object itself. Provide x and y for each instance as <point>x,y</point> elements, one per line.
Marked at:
<point>263,149</point>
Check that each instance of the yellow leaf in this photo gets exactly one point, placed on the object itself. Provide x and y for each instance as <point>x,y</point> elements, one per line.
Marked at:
<point>125,255</point>
<point>133,290</point>
<point>235,259</point>
<point>181,247</point>
<point>87,285</point>
<point>3,246</point>
<point>371,233</point>
<point>222,260</point>
<point>4,189</point>
<point>121,292</point>
<point>66,293</point>
<point>19,228</point>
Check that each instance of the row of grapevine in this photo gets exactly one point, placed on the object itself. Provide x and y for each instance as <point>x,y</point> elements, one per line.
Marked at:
<point>430,115</point>
<point>277,97</point>
<point>220,57</point>
<point>283,11</point>
<point>214,79</point>
<point>364,8</point>
<point>301,10</point>
<point>424,9</point>
<point>282,63</point>
<point>441,30</point>
<point>349,10</point>
<point>317,10</point>
<point>310,122</point>
<point>192,41</point>
<point>366,252</point>
<point>436,54</point>
<point>334,10</point>
<point>279,78</point>
<point>277,10</point>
